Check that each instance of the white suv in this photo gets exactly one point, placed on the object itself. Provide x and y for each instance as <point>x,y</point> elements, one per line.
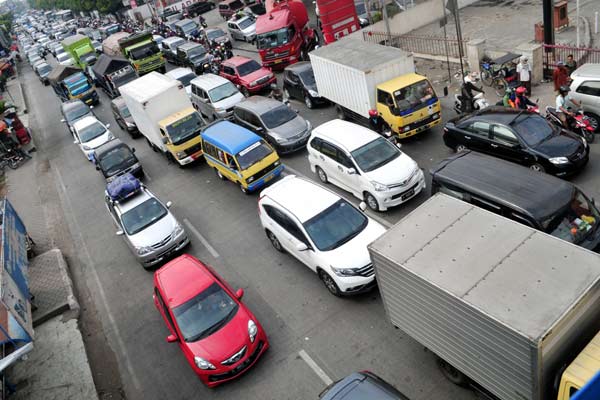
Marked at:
<point>323,231</point>
<point>585,88</point>
<point>364,163</point>
<point>90,134</point>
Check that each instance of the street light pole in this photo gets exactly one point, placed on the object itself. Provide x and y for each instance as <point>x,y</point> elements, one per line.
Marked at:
<point>577,23</point>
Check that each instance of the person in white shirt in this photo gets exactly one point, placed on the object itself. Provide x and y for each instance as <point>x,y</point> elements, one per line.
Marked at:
<point>524,71</point>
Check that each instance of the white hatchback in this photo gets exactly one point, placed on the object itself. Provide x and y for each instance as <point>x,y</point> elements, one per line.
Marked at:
<point>363,163</point>
<point>323,231</point>
<point>90,134</point>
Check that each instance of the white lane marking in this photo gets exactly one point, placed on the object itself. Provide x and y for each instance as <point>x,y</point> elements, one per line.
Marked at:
<point>370,213</point>
<point>120,343</point>
<point>313,365</point>
<point>201,238</point>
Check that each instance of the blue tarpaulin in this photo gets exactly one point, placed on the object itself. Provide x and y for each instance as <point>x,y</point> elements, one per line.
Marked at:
<point>591,391</point>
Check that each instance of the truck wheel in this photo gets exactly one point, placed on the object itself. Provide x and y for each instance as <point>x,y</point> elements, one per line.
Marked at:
<point>308,101</point>
<point>340,112</point>
<point>452,374</point>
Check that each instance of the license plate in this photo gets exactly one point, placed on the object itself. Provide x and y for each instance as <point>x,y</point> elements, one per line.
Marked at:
<point>268,178</point>
<point>408,194</point>
<point>277,61</point>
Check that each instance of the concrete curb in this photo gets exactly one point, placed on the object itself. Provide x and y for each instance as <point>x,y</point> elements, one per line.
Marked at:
<point>21,91</point>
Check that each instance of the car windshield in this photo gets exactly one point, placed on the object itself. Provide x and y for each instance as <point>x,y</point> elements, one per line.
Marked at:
<point>124,111</point>
<point>189,27</point>
<point>91,132</point>
<point>185,128</point>
<point>44,70</point>
<point>224,91</point>
<point>144,51</point>
<point>375,154</point>
<point>253,154</point>
<point>63,57</point>
<point>335,225</point>
<point>278,116</point>
<point>142,216</point>
<point>115,159</point>
<point>75,113</point>
<point>272,39</point>
<point>246,23</point>
<point>307,77</point>
<point>186,79</point>
<point>78,87</point>
<point>414,96</point>
<point>198,51</point>
<point>533,129</point>
<point>217,33</point>
<point>575,222</point>
<point>248,67</point>
<point>205,314</point>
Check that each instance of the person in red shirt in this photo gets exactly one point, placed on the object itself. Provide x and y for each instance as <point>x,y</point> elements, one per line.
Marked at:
<point>560,76</point>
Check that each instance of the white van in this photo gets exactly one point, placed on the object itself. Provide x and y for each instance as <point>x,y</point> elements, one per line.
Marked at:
<point>214,96</point>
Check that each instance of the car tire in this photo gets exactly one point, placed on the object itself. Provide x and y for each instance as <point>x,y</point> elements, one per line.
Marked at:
<point>308,101</point>
<point>322,175</point>
<point>274,241</point>
<point>537,167</point>
<point>243,189</point>
<point>594,121</point>
<point>220,175</point>
<point>245,91</point>
<point>371,201</point>
<point>329,283</point>
<point>452,374</point>
<point>460,147</point>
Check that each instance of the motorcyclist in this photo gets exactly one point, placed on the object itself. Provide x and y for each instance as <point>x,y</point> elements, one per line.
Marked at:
<point>561,107</point>
<point>467,90</point>
<point>521,101</point>
<point>377,123</point>
<point>509,98</point>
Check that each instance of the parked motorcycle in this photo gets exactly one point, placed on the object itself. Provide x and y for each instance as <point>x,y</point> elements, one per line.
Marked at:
<point>579,123</point>
<point>479,103</point>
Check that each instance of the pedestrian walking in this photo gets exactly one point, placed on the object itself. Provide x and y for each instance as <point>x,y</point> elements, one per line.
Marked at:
<point>524,71</point>
<point>571,64</point>
<point>560,76</point>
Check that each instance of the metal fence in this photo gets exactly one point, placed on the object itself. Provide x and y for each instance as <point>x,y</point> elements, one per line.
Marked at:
<point>559,52</point>
<point>432,45</point>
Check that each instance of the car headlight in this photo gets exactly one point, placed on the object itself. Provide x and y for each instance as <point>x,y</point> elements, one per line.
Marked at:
<point>251,179</point>
<point>406,128</point>
<point>559,160</point>
<point>130,125</point>
<point>270,75</point>
<point>143,250</point>
<point>379,187</point>
<point>180,154</point>
<point>280,139</point>
<point>253,83</point>
<point>252,330</point>
<point>178,229</point>
<point>202,363</point>
<point>86,147</point>
<point>313,93</point>
<point>219,109</point>
<point>345,271</point>
<point>276,163</point>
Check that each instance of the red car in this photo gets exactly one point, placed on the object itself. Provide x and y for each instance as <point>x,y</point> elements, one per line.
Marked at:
<point>248,74</point>
<point>218,335</point>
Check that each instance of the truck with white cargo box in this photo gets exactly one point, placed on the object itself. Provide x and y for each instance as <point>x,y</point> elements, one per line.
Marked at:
<point>383,78</point>
<point>165,116</point>
<point>506,308</point>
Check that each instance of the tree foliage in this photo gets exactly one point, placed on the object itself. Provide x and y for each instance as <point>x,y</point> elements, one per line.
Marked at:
<point>103,6</point>
<point>6,21</point>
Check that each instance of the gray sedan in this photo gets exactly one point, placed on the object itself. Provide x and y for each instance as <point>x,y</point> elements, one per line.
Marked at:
<point>242,29</point>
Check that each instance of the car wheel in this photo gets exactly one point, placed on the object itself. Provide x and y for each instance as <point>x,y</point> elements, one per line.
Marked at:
<point>460,147</point>
<point>219,174</point>
<point>243,189</point>
<point>322,175</point>
<point>245,91</point>
<point>371,201</point>
<point>594,121</point>
<point>308,101</point>
<point>329,283</point>
<point>537,167</point>
<point>275,242</point>
<point>452,374</point>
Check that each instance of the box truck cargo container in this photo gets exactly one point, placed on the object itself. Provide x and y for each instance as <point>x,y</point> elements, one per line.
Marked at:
<point>383,79</point>
<point>504,306</point>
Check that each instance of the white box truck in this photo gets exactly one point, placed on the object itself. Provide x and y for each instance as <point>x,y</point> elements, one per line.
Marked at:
<point>358,76</point>
<point>505,307</point>
<point>164,114</point>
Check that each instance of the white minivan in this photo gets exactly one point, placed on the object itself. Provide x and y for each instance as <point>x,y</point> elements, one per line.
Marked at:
<point>214,96</point>
<point>363,163</point>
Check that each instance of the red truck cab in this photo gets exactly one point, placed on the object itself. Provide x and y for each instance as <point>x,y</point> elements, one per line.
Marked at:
<point>283,35</point>
<point>338,19</point>
<point>249,75</point>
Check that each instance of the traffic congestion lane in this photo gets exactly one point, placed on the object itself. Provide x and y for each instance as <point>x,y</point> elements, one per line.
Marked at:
<point>289,300</point>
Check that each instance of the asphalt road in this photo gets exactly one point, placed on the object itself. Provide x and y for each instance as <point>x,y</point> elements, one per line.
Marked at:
<point>314,336</point>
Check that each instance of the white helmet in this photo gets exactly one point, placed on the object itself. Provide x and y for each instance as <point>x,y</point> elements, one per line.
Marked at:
<point>472,77</point>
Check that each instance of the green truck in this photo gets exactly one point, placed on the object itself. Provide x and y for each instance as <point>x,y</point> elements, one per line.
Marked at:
<point>143,53</point>
<point>80,48</point>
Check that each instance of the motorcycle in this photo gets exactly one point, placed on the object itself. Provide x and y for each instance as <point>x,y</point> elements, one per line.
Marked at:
<point>479,102</point>
<point>378,125</point>
<point>579,123</point>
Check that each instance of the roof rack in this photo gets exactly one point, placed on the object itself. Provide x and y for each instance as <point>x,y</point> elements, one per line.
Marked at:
<point>123,187</point>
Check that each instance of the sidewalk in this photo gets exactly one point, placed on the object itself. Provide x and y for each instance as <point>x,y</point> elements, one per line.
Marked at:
<point>58,366</point>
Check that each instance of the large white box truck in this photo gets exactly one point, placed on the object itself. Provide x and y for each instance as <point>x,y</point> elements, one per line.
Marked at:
<point>505,307</point>
<point>164,114</point>
<point>359,76</point>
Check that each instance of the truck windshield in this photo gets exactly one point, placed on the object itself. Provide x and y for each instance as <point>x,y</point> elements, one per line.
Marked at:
<point>184,129</point>
<point>414,96</point>
<point>222,92</point>
<point>273,39</point>
<point>78,88</point>
<point>575,222</point>
<point>144,51</point>
<point>253,154</point>
<point>248,68</point>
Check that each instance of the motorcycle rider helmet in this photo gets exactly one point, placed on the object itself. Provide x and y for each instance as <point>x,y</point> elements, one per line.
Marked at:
<point>373,113</point>
<point>471,77</point>
<point>521,90</point>
<point>564,89</point>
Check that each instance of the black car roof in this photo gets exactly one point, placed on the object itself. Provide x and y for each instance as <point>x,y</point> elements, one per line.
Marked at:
<point>109,146</point>
<point>299,66</point>
<point>501,115</point>
<point>363,385</point>
<point>533,193</point>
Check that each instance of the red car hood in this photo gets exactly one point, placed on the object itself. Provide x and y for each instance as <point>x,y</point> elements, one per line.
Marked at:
<point>260,73</point>
<point>225,342</point>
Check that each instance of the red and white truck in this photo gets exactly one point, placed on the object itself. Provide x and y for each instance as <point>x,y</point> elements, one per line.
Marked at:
<point>337,18</point>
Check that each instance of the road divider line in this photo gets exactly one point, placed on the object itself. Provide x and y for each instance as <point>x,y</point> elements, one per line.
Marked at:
<point>120,343</point>
<point>315,367</point>
<point>201,238</point>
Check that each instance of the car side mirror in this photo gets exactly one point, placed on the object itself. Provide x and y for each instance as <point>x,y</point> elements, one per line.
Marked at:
<point>63,120</point>
<point>169,204</point>
<point>351,171</point>
<point>259,129</point>
<point>394,110</point>
<point>239,293</point>
<point>119,233</point>
<point>362,206</point>
<point>97,168</point>
<point>301,247</point>
<point>399,145</point>
<point>107,126</point>
<point>172,338</point>
<point>133,149</point>
<point>91,107</point>
<point>515,146</point>
<point>76,141</point>
<point>165,140</point>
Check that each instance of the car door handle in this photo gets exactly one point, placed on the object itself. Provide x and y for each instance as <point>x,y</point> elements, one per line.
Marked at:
<point>340,168</point>
<point>468,137</point>
<point>494,145</point>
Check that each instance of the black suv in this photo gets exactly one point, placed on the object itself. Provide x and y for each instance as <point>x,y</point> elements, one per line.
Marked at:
<point>115,158</point>
<point>199,7</point>
<point>519,136</point>
<point>363,385</point>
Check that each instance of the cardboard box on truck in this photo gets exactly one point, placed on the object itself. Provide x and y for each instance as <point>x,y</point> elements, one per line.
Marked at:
<point>499,302</point>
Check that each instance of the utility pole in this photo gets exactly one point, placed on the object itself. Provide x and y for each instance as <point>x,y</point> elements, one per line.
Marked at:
<point>548,9</point>
<point>444,22</point>
<point>387,23</point>
<point>577,23</point>
<point>452,6</point>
